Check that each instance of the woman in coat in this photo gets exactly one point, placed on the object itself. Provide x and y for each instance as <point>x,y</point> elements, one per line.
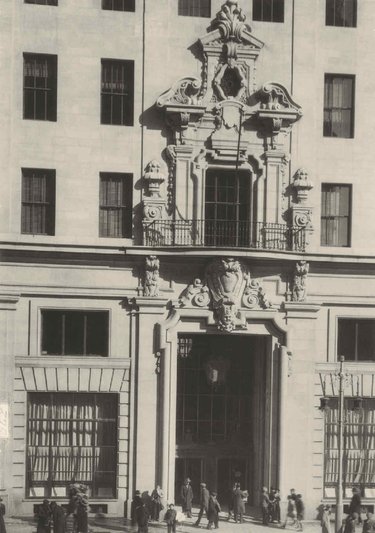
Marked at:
<point>187,497</point>
<point>2,513</point>
<point>156,503</point>
<point>44,518</point>
<point>58,517</point>
<point>238,503</point>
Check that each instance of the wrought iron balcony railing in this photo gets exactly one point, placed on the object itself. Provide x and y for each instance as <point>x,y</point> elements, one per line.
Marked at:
<point>224,234</point>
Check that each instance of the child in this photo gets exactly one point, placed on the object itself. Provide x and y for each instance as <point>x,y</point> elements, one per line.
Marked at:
<point>170,518</point>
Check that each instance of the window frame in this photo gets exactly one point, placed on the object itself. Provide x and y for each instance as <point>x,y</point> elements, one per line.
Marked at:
<point>198,5</point>
<point>329,76</point>
<point>333,7</point>
<point>127,117</point>
<point>124,9</point>
<point>49,92</point>
<point>126,207</point>
<point>52,3</point>
<point>47,483</point>
<point>356,320</point>
<point>63,312</point>
<point>50,218</point>
<point>258,6</point>
<point>349,186</point>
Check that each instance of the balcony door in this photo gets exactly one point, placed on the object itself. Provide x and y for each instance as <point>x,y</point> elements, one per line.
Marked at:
<point>227,208</point>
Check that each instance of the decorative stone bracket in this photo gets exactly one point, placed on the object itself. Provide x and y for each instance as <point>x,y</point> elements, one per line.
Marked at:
<point>301,214</point>
<point>151,277</point>
<point>154,204</point>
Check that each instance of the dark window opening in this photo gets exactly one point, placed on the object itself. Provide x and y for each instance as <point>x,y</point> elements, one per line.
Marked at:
<point>42,2</point>
<point>119,5</point>
<point>39,87</point>
<point>335,215</point>
<point>341,13</point>
<point>117,92</point>
<point>38,201</point>
<point>115,209</point>
<point>268,10</point>
<point>71,438</point>
<point>194,8</point>
<point>75,332</point>
<point>356,339</point>
<point>338,106</point>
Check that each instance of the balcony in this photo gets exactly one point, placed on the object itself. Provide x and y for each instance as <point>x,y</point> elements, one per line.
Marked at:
<point>224,234</point>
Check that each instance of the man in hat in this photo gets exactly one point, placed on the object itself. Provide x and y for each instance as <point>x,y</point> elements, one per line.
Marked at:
<point>44,518</point>
<point>2,513</point>
<point>58,517</point>
<point>203,503</point>
<point>187,497</point>
<point>139,514</point>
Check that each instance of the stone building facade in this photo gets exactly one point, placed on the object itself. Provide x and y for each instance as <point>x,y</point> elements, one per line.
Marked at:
<point>186,246</point>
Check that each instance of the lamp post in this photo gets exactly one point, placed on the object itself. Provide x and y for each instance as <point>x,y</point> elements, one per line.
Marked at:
<point>340,443</point>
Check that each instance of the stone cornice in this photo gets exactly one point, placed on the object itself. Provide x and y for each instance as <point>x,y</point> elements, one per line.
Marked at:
<point>77,362</point>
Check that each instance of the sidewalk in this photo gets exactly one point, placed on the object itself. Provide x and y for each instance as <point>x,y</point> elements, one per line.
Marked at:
<point>112,525</point>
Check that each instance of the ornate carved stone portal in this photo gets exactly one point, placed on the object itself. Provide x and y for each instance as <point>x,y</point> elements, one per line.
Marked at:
<point>225,119</point>
<point>227,289</point>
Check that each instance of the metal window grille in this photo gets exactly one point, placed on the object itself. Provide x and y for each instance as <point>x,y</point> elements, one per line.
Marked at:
<point>39,87</point>
<point>119,5</point>
<point>117,92</point>
<point>341,13</point>
<point>71,438</point>
<point>268,10</point>
<point>75,332</point>
<point>38,201</point>
<point>338,106</point>
<point>115,209</point>
<point>335,215</point>
<point>42,2</point>
<point>194,8</point>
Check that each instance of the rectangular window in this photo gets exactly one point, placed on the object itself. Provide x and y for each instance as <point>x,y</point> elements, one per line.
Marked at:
<point>338,106</point>
<point>115,209</point>
<point>118,5</point>
<point>358,445</point>
<point>268,10</point>
<point>335,215</point>
<point>194,8</point>
<point>71,438</point>
<point>39,87</point>
<point>341,13</point>
<point>117,92</point>
<point>38,201</point>
<point>356,339</point>
<point>75,332</point>
<point>42,2</point>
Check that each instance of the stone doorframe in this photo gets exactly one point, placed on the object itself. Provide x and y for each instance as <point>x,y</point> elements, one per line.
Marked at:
<point>258,322</point>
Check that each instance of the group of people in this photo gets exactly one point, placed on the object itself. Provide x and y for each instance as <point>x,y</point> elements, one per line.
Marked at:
<point>270,505</point>
<point>354,516</point>
<point>271,508</point>
<point>53,517</point>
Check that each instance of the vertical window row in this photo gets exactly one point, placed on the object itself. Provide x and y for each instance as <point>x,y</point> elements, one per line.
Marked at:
<point>115,206</point>
<point>335,215</point>
<point>40,87</point>
<point>38,201</point>
<point>117,92</point>
<point>338,106</point>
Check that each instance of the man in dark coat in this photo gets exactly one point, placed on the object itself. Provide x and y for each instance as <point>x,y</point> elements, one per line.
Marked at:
<point>350,523</point>
<point>355,505</point>
<point>58,517</point>
<point>44,518</point>
<point>170,517</point>
<point>238,503</point>
<point>203,503</point>
<point>265,506</point>
<point>187,497</point>
<point>300,508</point>
<point>369,523</point>
<point>139,514</point>
<point>2,514</point>
<point>213,511</point>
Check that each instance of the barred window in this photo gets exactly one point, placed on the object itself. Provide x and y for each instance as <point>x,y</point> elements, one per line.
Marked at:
<point>338,106</point>
<point>268,10</point>
<point>38,201</point>
<point>115,209</point>
<point>39,87</point>
<point>67,332</point>
<point>71,437</point>
<point>117,92</point>
<point>335,215</point>
<point>119,5</point>
<point>194,8</point>
<point>341,13</point>
<point>42,2</point>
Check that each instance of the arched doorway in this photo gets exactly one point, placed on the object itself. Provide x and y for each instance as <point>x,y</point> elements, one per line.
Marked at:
<point>227,413</point>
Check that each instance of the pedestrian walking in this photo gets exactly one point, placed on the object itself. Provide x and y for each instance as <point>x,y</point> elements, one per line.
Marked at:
<point>156,503</point>
<point>300,509</point>
<point>369,523</point>
<point>213,511</point>
<point>291,512</point>
<point>350,523</point>
<point>276,507</point>
<point>44,518</point>
<point>266,504</point>
<point>187,497</point>
<point>139,513</point>
<point>171,518</point>
<point>2,514</point>
<point>58,518</point>
<point>326,519</point>
<point>238,504</point>
<point>203,502</point>
<point>355,505</point>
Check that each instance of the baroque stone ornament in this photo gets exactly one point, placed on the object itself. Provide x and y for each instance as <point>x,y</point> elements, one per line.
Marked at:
<point>153,178</point>
<point>228,289</point>
<point>302,185</point>
<point>154,205</point>
<point>151,281</point>
<point>299,288</point>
